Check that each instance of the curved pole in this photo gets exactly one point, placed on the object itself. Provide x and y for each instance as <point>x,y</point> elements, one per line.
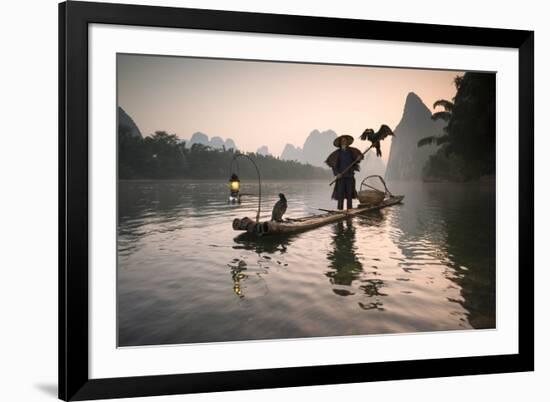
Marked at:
<point>387,191</point>
<point>259,181</point>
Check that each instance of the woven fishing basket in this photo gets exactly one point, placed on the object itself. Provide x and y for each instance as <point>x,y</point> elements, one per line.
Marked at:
<point>370,197</point>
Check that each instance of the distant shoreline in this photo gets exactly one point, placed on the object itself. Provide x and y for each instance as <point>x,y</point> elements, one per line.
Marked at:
<point>488,179</point>
<point>221,180</point>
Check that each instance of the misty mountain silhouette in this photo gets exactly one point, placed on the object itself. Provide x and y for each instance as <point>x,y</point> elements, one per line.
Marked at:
<point>292,153</point>
<point>215,142</point>
<point>127,124</point>
<point>316,148</point>
<point>263,150</point>
<point>406,159</point>
<point>372,165</point>
<point>230,144</point>
<point>199,138</point>
<point>319,145</point>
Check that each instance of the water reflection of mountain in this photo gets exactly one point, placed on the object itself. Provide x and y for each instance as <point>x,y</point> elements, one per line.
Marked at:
<point>455,224</point>
<point>137,198</point>
<point>169,197</point>
<point>471,238</point>
<point>187,280</point>
<point>169,205</point>
<point>141,206</point>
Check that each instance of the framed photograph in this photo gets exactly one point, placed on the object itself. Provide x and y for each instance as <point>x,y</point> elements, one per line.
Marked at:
<point>257,200</point>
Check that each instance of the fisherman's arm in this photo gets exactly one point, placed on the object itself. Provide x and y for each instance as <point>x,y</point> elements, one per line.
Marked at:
<point>336,174</point>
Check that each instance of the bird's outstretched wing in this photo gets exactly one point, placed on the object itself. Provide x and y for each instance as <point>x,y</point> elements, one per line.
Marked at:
<point>366,134</point>
<point>383,132</point>
<point>372,136</point>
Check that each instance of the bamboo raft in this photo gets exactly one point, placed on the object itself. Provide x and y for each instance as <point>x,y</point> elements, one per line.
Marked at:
<point>296,225</point>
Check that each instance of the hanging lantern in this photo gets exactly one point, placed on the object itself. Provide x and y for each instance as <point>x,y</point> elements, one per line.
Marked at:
<point>234,188</point>
<point>235,184</point>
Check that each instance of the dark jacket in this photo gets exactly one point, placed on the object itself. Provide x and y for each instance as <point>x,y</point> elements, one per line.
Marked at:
<point>333,162</point>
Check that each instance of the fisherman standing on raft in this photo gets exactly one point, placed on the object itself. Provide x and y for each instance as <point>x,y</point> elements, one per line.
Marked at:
<point>339,160</point>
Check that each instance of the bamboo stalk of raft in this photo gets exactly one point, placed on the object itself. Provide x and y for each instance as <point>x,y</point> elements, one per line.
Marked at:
<point>308,222</point>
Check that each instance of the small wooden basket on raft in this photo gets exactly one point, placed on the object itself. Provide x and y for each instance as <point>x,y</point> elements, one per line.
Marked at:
<point>372,196</point>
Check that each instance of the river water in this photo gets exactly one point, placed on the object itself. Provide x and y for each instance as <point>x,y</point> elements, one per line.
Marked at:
<point>185,276</point>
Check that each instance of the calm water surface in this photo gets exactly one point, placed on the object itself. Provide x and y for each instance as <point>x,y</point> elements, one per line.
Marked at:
<point>185,276</point>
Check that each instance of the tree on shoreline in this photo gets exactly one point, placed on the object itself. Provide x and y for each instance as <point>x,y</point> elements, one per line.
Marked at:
<point>467,145</point>
<point>164,156</point>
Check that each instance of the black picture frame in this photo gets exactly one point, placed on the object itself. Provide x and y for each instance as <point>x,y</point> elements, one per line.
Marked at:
<point>74,380</point>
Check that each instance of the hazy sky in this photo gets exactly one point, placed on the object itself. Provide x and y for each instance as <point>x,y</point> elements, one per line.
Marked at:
<point>268,103</point>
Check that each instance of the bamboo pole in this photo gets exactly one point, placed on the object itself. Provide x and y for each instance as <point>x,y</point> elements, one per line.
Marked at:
<point>357,160</point>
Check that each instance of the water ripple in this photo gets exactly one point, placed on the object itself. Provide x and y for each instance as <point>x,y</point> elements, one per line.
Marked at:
<point>185,276</point>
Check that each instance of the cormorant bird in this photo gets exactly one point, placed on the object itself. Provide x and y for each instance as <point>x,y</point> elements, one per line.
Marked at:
<point>279,209</point>
<point>375,138</point>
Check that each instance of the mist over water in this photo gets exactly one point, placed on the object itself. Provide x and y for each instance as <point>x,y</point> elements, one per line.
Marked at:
<point>184,276</point>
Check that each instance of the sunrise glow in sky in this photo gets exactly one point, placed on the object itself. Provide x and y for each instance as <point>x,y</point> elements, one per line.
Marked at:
<point>268,103</point>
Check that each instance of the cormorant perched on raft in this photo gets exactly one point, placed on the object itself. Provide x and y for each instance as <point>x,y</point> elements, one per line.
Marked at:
<point>375,138</point>
<point>279,209</point>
